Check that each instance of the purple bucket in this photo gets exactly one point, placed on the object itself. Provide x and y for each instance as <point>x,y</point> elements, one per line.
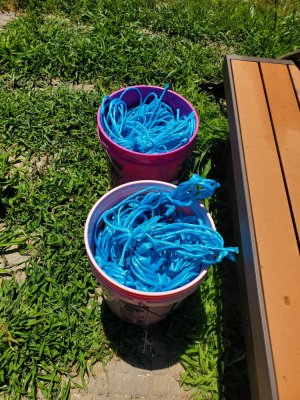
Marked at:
<point>127,165</point>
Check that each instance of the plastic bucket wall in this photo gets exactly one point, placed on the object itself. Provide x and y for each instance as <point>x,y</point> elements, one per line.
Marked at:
<point>126,165</point>
<point>143,308</point>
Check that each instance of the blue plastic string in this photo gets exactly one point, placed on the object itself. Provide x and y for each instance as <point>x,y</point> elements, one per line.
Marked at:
<point>149,242</point>
<point>150,127</point>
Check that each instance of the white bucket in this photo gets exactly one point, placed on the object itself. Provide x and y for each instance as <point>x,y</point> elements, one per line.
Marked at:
<point>135,306</point>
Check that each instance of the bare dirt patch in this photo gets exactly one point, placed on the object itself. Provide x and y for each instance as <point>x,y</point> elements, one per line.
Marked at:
<point>5,18</point>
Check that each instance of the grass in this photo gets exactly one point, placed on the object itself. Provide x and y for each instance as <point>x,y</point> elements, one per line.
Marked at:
<point>52,170</point>
<point>50,325</point>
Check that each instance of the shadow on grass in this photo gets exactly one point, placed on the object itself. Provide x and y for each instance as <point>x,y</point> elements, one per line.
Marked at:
<point>232,364</point>
<point>160,345</point>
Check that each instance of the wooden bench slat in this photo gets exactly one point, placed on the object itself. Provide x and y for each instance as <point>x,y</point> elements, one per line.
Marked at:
<point>295,74</point>
<point>286,124</point>
<point>274,231</point>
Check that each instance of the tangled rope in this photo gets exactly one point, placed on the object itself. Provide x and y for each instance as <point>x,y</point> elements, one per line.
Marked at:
<point>151,241</point>
<point>151,127</point>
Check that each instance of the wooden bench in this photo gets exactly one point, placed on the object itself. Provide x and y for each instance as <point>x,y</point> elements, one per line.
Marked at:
<point>263,98</point>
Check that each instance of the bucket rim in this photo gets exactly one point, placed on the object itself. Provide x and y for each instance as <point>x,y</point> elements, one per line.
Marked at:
<point>122,289</point>
<point>150,155</point>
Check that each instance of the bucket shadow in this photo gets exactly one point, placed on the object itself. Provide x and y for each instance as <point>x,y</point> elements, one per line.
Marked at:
<point>160,345</point>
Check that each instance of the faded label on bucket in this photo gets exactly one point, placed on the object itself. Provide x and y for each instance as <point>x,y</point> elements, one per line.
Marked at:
<point>141,314</point>
<point>136,314</point>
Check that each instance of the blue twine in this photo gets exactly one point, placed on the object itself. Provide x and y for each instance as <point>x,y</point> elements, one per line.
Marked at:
<point>151,127</point>
<point>149,242</point>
